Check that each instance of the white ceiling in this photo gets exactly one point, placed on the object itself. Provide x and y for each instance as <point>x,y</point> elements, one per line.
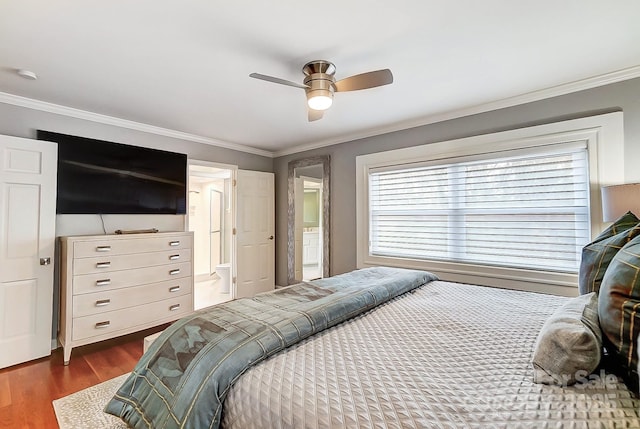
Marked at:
<point>185,65</point>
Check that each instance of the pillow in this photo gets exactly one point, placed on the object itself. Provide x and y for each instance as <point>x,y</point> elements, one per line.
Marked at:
<point>597,255</point>
<point>618,305</point>
<point>625,222</point>
<point>569,345</point>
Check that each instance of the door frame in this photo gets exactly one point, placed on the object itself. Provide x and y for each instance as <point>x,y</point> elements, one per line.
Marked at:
<point>234,178</point>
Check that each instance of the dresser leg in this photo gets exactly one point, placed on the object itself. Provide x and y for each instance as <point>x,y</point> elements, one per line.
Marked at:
<point>67,355</point>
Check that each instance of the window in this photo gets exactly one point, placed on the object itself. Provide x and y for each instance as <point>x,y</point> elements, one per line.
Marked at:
<point>514,211</point>
<point>510,209</point>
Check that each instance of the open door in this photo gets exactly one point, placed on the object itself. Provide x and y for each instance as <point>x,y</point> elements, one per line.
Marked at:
<point>255,233</point>
<point>27,237</point>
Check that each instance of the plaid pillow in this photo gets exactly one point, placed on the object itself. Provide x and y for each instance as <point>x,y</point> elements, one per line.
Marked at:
<point>625,222</point>
<point>597,255</point>
<point>618,306</point>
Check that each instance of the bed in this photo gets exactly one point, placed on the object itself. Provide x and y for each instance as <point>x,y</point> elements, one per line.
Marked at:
<point>424,353</point>
<point>444,356</point>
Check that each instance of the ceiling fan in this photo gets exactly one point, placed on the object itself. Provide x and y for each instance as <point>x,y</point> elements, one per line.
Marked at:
<point>320,84</point>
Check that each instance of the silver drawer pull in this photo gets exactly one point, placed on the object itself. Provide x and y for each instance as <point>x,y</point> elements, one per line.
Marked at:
<point>174,272</point>
<point>174,257</point>
<point>174,307</point>
<point>174,289</point>
<point>103,302</point>
<point>174,243</point>
<point>101,325</point>
<point>103,249</point>
<point>103,264</point>
<point>104,282</point>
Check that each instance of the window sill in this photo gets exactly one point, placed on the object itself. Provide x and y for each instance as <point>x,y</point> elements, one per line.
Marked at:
<point>564,284</point>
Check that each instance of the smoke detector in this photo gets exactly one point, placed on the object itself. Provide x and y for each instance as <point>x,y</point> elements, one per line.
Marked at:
<point>27,74</point>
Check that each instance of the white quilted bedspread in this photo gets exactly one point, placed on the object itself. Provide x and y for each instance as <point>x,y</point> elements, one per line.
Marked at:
<point>443,356</point>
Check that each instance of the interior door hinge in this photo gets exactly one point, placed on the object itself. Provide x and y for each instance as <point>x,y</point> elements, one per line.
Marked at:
<point>233,231</point>
<point>235,182</point>
<point>233,280</point>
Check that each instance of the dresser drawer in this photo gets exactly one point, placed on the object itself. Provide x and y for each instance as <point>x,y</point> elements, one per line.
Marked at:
<point>108,263</point>
<point>119,320</point>
<point>126,246</point>
<point>88,283</point>
<point>116,299</point>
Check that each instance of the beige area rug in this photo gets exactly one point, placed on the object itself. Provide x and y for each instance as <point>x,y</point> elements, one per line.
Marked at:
<point>84,409</point>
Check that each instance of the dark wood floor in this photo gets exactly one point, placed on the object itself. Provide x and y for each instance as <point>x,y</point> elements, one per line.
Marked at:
<point>26,390</point>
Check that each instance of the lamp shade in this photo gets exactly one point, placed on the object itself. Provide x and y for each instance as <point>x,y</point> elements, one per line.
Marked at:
<point>319,99</point>
<point>619,199</point>
<point>320,102</point>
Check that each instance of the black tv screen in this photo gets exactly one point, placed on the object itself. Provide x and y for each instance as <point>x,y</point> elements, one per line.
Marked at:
<point>99,177</point>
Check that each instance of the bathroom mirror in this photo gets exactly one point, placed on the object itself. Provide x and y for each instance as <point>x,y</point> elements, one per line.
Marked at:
<point>308,227</point>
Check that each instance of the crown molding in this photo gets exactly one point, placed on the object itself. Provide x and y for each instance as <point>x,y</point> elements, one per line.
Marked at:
<point>563,89</point>
<point>58,109</point>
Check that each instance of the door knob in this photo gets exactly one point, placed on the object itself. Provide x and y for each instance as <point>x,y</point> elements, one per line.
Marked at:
<point>45,261</point>
<point>271,237</point>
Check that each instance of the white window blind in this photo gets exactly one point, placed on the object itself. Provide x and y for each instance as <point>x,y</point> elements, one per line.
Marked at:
<point>524,211</point>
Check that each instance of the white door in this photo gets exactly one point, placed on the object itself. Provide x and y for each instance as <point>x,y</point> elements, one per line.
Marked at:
<point>27,235</point>
<point>256,228</point>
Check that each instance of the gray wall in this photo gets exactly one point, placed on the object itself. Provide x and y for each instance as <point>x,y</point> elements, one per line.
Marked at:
<point>623,96</point>
<point>23,122</point>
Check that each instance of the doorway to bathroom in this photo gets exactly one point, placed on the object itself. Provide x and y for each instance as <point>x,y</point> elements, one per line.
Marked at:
<point>308,210</point>
<point>211,219</point>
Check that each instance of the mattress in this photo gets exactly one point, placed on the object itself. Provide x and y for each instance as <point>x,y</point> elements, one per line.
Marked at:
<point>445,355</point>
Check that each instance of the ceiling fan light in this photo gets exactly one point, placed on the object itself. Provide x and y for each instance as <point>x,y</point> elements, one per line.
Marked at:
<point>320,101</point>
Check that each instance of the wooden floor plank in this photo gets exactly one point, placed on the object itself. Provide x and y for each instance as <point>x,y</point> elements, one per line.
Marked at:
<point>27,390</point>
<point>109,365</point>
<point>6,417</point>
<point>5,392</point>
<point>32,404</point>
<point>76,376</point>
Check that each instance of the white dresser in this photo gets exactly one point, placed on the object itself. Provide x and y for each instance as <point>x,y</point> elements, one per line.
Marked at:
<point>113,285</point>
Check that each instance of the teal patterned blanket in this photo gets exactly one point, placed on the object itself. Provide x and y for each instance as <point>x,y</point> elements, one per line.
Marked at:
<point>184,377</point>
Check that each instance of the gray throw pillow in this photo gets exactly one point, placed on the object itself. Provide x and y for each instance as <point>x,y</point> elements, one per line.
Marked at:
<point>597,255</point>
<point>569,346</point>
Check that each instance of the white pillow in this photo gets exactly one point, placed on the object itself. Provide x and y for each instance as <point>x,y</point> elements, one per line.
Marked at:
<point>569,344</point>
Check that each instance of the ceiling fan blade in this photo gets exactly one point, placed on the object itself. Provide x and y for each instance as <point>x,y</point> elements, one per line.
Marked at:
<point>314,115</point>
<point>277,80</point>
<point>365,80</point>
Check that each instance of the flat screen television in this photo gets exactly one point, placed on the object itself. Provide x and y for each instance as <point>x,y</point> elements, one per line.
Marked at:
<point>99,177</point>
